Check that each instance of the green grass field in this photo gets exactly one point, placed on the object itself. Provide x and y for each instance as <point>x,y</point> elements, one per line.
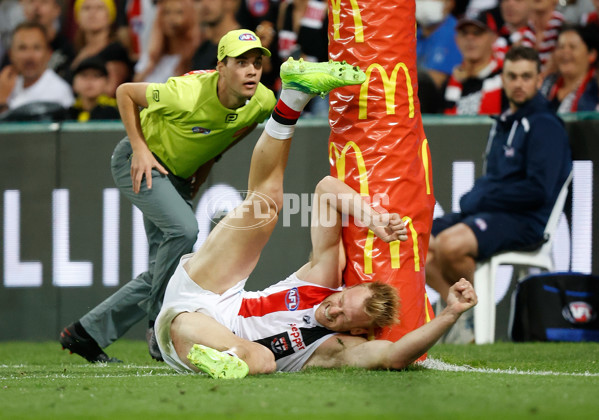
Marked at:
<point>500,381</point>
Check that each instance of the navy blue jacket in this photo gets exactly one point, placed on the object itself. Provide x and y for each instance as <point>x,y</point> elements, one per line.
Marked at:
<point>527,161</point>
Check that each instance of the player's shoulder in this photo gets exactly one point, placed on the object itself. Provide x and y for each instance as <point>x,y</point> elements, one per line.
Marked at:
<point>200,73</point>
<point>264,98</point>
<point>196,79</point>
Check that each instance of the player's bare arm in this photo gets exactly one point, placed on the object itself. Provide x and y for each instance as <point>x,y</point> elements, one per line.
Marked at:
<point>333,198</point>
<point>129,97</point>
<point>346,350</point>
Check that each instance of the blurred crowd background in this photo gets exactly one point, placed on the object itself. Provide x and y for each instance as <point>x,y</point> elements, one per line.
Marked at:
<point>67,57</point>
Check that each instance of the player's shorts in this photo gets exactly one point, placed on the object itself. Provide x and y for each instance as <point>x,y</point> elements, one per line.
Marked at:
<point>185,295</point>
<point>495,232</point>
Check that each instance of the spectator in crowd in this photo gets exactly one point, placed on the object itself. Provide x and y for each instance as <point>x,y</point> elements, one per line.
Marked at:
<point>546,22</point>
<point>28,79</point>
<point>574,86</point>
<point>527,161</point>
<point>47,13</point>
<point>89,84</point>
<point>96,38</point>
<point>11,14</point>
<point>171,145</point>
<point>217,17</point>
<point>592,17</point>
<point>474,87</point>
<point>175,38</point>
<point>575,10</point>
<point>261,17</point>
<point>513,27</point>
<point>135,24</point>
<point>436,50</point>
<point>475,7</point>
<point>304,34</point>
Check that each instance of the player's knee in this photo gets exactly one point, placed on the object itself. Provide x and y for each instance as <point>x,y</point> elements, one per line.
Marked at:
<point>432,249</point>
<point>186,232</point>
<point>191,233</point>
<point>259,358</point>
<point>266,361</point>
<point>448,247</point>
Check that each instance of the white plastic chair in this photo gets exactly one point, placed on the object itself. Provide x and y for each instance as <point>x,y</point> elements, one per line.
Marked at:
<point>484,277</point>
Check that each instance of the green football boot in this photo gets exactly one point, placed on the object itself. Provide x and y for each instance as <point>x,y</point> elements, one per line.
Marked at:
<point>319,78</point>
<point>217,364</point>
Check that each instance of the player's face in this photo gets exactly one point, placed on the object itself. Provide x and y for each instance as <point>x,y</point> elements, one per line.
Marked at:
<point>242,74</point>
<point>521,81</point>
<point>344,311</point>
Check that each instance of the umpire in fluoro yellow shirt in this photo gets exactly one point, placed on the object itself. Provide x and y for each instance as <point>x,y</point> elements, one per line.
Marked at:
<point>185,125</point>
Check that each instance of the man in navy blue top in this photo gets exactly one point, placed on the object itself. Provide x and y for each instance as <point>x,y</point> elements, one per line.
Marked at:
<point>527,162</point>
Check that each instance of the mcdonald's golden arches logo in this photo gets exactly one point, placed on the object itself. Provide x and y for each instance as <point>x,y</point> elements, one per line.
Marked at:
<point>338,159</point>
<point>389,87</point>
<point>358,25</point>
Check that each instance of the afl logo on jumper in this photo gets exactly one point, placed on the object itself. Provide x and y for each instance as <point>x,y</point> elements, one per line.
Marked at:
<point>292,299</point>
<point>247,37</point>
<point>579,313</point>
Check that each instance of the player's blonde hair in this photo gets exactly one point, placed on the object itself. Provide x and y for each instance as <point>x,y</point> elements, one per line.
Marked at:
<point>383,304</point>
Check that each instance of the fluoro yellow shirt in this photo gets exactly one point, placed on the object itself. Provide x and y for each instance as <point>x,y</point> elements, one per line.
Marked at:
<point>185,124</point>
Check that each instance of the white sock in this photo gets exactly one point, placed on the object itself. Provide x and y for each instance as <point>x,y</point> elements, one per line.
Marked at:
<point>230,353</point>
<point>295,99</point>
<point>279,131</point>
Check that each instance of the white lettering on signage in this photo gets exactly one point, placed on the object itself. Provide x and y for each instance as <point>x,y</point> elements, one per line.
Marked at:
<point>67,273</point>
<point>110,237</point>
<point>17,273</point>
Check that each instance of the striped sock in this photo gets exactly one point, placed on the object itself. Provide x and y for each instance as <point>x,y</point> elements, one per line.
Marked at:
<point>284,114</point>
<point>288,109</point>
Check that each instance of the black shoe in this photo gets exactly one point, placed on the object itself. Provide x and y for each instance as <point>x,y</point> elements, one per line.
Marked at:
<point>153,345</point>
<point>84,347</point>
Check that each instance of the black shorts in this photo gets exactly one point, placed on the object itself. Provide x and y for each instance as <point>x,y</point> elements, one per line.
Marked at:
<point>495,232</point>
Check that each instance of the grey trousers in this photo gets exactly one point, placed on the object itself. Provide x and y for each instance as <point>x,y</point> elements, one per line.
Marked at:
<point>172,230</point>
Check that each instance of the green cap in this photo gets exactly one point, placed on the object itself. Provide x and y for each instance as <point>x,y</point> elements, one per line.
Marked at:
<point>235,43</point>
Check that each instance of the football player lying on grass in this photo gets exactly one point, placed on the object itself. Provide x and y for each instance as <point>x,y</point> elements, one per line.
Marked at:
<point>209,323</point>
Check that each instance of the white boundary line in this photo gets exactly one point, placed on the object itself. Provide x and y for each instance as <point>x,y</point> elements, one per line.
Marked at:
<point>429,363</point>
<point>96,367</point>
<point>435,364</point>
<point>93,366</point>
<point>107,376</point>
